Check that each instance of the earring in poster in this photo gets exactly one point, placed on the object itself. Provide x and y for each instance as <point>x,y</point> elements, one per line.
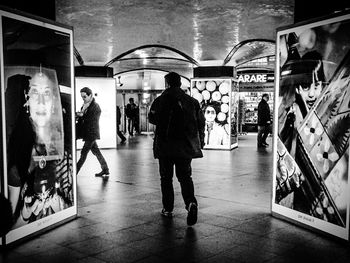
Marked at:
<point>42,162</point>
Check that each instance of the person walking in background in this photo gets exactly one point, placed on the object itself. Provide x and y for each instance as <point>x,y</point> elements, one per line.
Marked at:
<point>179,137</point>
<point>264,120</point>
<point>90,131</point>
<point>131,114</point>
<point>120,134</point>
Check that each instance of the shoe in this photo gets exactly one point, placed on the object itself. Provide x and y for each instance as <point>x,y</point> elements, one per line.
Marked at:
<point>192,214</point>
<point>262,146</point>
<point>166,213</point>
<point>105,177</point>
<point>102,173</point>
<point>265,143</point>
<point>123,141</point>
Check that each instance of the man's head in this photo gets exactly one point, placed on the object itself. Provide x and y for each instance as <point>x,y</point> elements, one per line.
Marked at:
<point>265,96</point>
<point>131,100</point>
<point>172,80</point>
<point>86,94</point>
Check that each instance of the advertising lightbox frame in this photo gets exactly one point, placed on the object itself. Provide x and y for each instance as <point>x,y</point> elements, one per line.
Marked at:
<point>222,96</point>
<point>104,90</point>
<point>33,71</point>
<point>311,144</point>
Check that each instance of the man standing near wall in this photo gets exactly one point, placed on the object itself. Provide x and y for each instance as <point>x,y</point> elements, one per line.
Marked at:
<point>131,112</point>
<point>264,121</point>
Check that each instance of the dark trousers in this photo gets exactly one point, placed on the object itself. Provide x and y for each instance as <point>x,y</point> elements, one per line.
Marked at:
<point>120,134</point>
<point>131,125</point>
<point>263,132</point>
<point>183,172</point>
<point>91,145</point>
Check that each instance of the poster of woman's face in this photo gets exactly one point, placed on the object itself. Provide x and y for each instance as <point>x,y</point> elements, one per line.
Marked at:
<point>313,114</point>
<point>214,96</point>
<point>38,123</point>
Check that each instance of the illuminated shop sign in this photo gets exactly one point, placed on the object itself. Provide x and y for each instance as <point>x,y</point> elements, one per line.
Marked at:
<point>254,78</point>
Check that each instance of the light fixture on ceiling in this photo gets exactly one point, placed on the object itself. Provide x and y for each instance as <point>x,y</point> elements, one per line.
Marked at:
<point>119,84</point>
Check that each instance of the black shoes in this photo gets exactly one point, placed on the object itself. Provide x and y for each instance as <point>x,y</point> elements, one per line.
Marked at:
<point>167,214</point>
<point>192,214</point>
<point>103,173</point>
<point>263,145</point>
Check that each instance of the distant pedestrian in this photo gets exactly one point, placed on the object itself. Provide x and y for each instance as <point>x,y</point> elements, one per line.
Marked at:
<point>90,131</point>
<point>119,117</point>
<point>264,121</point>
<point>131,112</point>
<point>179,137</point>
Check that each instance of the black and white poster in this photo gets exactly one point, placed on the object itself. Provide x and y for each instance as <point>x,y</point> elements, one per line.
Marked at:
<point>218,99</point>
<point>312,113</point>
<point>37,91</point>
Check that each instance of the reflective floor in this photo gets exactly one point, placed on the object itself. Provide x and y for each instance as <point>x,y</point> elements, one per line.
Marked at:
<point>119,220</point>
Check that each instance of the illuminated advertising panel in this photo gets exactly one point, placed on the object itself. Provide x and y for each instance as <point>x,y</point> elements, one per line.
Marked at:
<point>37,98</point>
<point>312,116</point>
<point>104,90</point>
<point>218,99</point>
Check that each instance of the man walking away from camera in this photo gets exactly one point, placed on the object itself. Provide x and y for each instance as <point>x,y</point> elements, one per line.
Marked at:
<point>179,137</point>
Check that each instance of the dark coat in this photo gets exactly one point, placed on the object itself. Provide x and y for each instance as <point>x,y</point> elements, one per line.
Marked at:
<point>190,144</point>
<point>131,110</point>
<point>119,116</point>
<point>264,117</point>
<point>90,128</point>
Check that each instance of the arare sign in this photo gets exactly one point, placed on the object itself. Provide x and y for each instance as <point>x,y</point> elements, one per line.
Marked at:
<point>254,78</point>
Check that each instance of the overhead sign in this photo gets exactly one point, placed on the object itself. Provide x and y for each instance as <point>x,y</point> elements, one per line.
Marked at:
<point>255,78</point>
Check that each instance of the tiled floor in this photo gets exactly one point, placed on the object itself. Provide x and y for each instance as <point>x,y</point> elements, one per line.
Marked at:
<point>119,220</point>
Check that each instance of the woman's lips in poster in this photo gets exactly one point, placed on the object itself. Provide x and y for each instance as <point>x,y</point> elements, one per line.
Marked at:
<point>310,103</point>
<point>41,113</point>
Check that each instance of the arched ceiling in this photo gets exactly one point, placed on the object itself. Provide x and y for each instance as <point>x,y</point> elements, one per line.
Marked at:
<point>202,29</point>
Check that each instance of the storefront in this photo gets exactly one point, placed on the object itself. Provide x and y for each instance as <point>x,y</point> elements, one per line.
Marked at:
<point>253,83</point>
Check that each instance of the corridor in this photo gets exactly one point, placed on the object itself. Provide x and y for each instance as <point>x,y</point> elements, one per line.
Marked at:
<point>119,220</point>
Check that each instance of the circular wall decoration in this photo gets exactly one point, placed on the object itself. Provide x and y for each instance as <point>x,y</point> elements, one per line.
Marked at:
<point>200,85</point>
<point>194,91</point>
<point>225,99</point>
<point>224,88</point>
<point>221,116</point>
<point>224,107</point>
<point>211,85</point>
<point>216,95</point>
<point>206,94</point>
<point>198,97</point>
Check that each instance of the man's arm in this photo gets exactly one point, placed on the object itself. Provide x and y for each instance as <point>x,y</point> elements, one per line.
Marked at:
<point>200,124</point>
<point>153,113</point>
